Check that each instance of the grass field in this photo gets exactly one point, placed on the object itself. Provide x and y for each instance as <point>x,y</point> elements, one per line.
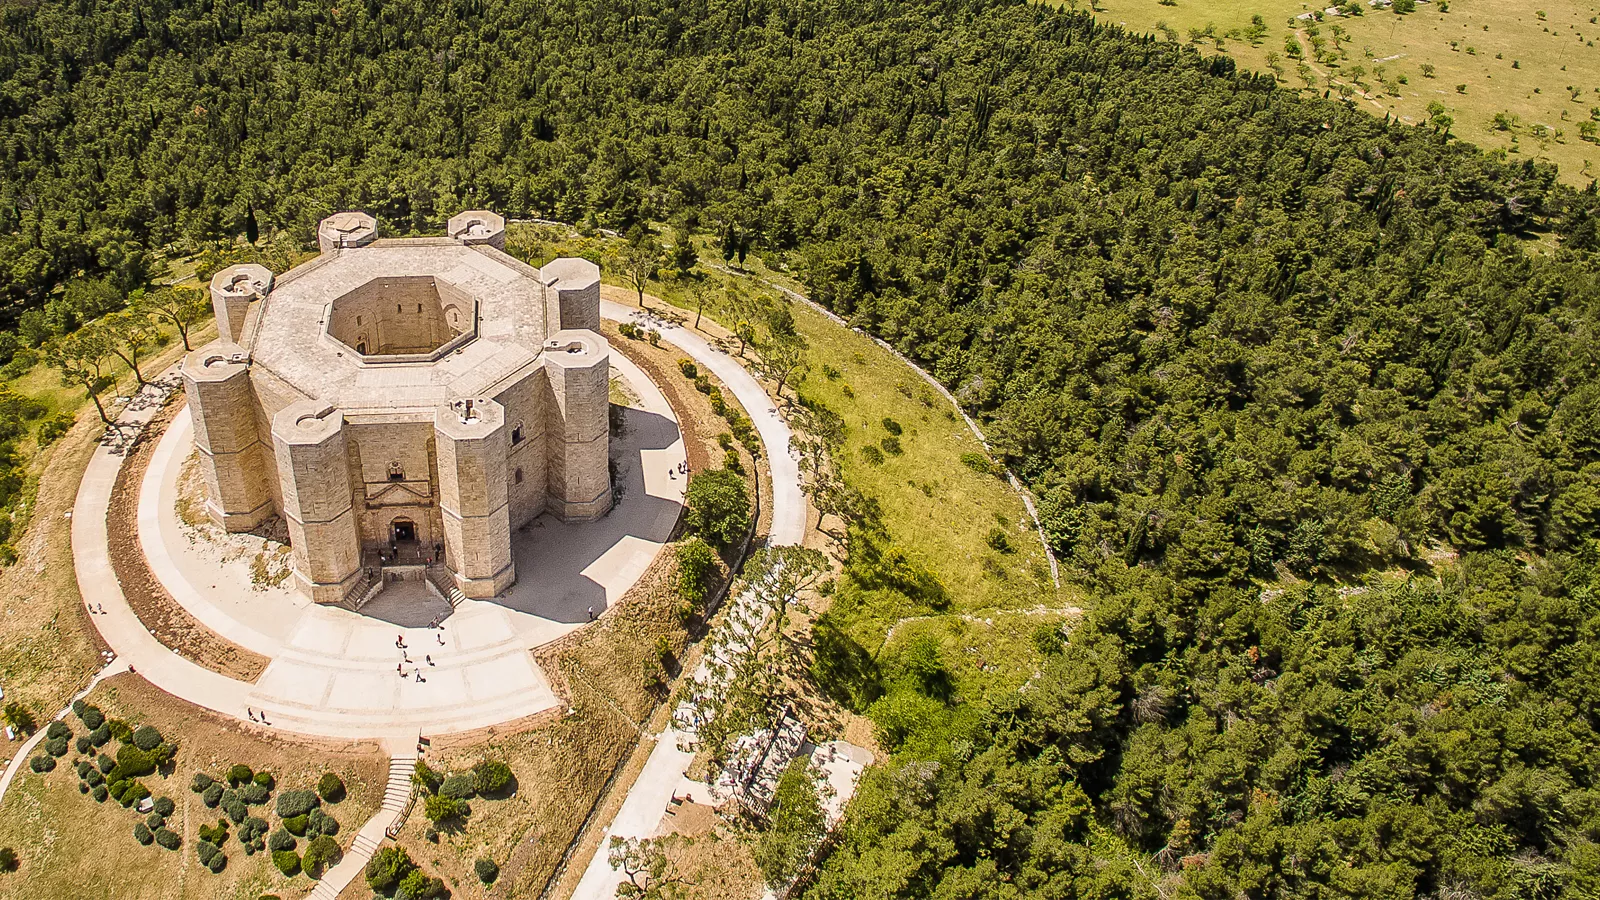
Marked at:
<point>1518,78</point>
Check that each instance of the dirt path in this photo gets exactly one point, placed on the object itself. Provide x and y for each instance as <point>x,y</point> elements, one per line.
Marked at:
<point>171,624</point>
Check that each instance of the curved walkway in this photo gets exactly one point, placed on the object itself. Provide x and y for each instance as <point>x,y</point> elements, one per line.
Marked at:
<point>313,705</point>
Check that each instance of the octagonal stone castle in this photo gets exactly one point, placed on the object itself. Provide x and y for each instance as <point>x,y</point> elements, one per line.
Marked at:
<point>403,402</point>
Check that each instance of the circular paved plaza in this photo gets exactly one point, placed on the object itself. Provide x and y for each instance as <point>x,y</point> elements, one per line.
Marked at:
<point>336,672</point>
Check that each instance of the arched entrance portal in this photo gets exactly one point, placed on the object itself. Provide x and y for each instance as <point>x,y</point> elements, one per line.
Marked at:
<point>404,531</point>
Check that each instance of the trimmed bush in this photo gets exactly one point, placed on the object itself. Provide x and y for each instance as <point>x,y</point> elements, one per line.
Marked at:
<point>265,780</point>
<point>120,730</point>
<point>252,830</point>
<point>442,808</point>
<point>58,730</point>
<point>460,786</point>
<point>212,795</point>
<point>296,825</point>
<point>205,850</point>
<point>100,736</point>
<point>296,803</point>
<point>486,870</point>
<point>94,777</point>
<point>56,747</point>
<point>239,774</point>
<point>105,764</point>
<point>8,860</point>
<point>254,794</point>
<point>281,840</point>
<point>146,738</point>
<point>143,834</point>
<point>218,863</point>
<point>133,793</point>
<point>168,838</point>
<point>287,861</point>
<point>91,717</point>
<point>330,787</point>
<point>164,806</point>
<point>42,764</point>
<point>82,744</point>
<point>492,776</point>
<point>417,885</point>
<point>84,767</point>
<point>155,820</point>
<point>236,810</point>
<point>99,793</point>
<point>323,851</point>
<point>83,787</point>
<point>200,782</point>
<point>319,822</point>
<point>216,834</point>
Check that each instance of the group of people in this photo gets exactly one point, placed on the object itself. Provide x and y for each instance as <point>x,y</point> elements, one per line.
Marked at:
<point>400,642</point>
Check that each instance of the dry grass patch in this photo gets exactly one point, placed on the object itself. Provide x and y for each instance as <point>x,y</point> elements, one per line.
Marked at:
<point>73,848</point>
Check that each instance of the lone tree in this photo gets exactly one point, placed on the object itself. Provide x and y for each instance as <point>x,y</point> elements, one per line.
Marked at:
<point>651,874</point>
<point>130,335</point>
<point>719,506</point>
<point>82,357</point>
<point>183,307</point>
<point>639,264</point>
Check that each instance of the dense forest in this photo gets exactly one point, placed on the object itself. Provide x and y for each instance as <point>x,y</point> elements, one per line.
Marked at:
<point>1251,350</point>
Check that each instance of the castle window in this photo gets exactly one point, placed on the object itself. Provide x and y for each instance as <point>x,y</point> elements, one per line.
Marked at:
<point>358,320</point>
<point>516,435</point>
<point>518,476</point>
<point>396,473</point>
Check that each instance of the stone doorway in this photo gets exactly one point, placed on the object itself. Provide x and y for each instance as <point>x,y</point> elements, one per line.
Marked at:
<point>405,531</point>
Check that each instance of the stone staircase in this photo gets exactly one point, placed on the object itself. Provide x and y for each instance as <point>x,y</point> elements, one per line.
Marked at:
<point>398,797</point>
<point>445,584</point>
<point>365,588</point>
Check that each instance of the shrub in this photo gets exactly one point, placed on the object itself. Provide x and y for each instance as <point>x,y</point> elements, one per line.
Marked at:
<point>99,793</point>
<point>688,368</point>
<point>200,782</point>
<point>695,562</point>
<point>265,780</point>
<point>492,776</point>
<point>212,795</point>
<point>120,730</point>
<point>155,819</point>
<point>254,794</point>
<point>892,426</point>
<point>891,446</point>
<point>330,787</point>
<point>56,747</point>
<point>146,738</point>
<point>82,744</point>
<point>216,834</point>
<point>206,850</point>
<point>387,867</point>
<point>165,806</point>
<point>486,870</point>
<point>418,886</point>
<point>84,767</point>
<point>239,774</point>
<point>94,777</point>
<point>460,786</point>
<point>143,834</point>
<point>83,787</point>
<point>426,776</point>
<point>440,808</point>
<point>296,803</point>
<point>134,762</point>
<point>218,863</point>
<point>315,821</point>
<point>281,840</point>
<point>719,506</point>
<point>100,736</point>
<point>168,838</point>
<point>91,717</point>
<point>998,540</point>
<point>872,455</point>
<point>252,830</point>
<point>323,851</point>
<point>42,764</point>
<point>133,793</point>
<point>8,860</point>
<point>105,764</point>
<point>296,825</point>
<point>58,730</point>
<point>977,462</point>
<point>287,861</point>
